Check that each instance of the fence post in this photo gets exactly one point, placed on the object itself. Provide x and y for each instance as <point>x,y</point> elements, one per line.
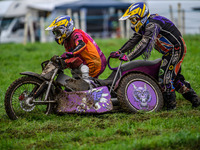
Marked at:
<point>42,31</point>
<point>105,24</point>
<point>76,20</point>
<point>26,28</point>
<point>183,21</point>
<point>171,13</point>
<point>121,24</point>
<point>83,15</point>
<point>69,12</point>
<point>128,27</point>
<point>179,17</point>
<point>32,33</point>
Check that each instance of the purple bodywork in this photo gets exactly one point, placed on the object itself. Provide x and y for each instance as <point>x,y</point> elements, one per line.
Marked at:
<point>97,100</point>
<point>150,70</point>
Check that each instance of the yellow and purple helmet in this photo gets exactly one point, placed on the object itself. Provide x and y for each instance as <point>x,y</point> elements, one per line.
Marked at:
<point>61,27</point>
<point>137,13</point>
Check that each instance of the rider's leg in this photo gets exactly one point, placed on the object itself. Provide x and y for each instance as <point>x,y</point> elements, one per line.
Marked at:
<point>170,100</point>
<point>169,95</point>
<point>85,74</point>
<point>184,88</point>
<point>166,77</point>
<point>192,97</point>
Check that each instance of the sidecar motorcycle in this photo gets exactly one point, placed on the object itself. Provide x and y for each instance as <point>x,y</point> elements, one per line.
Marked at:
<point>132,86</point>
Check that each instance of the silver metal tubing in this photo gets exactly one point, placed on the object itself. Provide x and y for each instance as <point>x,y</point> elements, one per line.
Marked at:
<point>43,102</point>
<point>50,83</point>
<point>115,76</point>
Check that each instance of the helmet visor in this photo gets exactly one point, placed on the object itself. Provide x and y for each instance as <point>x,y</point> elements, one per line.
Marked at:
<point>58,32</point>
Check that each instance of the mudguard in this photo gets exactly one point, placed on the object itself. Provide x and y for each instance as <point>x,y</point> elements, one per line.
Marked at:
<point>138,64</point>
<point>148,68</point>
<point>33,74</point>
<point>97,100</point>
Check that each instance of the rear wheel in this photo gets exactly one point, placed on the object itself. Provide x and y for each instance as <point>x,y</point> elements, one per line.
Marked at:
<point>138,92</point>
<point>18,99</point>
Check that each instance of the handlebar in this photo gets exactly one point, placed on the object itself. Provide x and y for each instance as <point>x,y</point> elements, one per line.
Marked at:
<point>44,63</point>
<point>57,60</point>
<point>109,64</point>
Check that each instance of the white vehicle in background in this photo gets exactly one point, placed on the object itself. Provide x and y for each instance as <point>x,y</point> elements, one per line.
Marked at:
<point>12,30</point>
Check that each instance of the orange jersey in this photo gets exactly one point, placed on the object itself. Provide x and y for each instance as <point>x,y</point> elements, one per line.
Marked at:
<point>90,53</point>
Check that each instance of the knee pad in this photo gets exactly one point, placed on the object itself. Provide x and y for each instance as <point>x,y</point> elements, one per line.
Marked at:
<point>84,70</point>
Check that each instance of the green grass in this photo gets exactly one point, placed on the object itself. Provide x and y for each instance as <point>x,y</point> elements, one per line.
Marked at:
<point>177,129</point>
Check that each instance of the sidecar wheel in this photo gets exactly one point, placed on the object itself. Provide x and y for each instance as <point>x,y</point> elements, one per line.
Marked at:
<point>17,101</point>
<point>138,92</point>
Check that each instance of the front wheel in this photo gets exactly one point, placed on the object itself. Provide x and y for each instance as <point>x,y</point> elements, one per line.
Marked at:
<point>138,92</point>
<point>18,99</point>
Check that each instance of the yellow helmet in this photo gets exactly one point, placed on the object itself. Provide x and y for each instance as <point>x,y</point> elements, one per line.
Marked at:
<point>138,14</point>
<point>61,27</point>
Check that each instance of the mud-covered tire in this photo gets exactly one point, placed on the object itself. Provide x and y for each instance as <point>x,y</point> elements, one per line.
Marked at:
<point>16,107</point>
<point>138,92</point>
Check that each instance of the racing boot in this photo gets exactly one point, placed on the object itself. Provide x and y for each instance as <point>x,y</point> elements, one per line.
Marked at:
<point>169,100</point>
<point>192,97</point>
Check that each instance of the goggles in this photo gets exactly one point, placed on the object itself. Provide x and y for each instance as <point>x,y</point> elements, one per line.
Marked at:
<point>58,32</point>
<point>134,20</point>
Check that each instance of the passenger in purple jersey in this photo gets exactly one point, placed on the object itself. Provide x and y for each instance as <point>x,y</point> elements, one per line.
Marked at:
<point>154,31</point>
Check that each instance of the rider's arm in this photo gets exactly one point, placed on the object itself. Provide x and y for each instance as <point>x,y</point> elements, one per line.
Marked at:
<point>79,48</point>
<point>80,44</point>
<point>130,44</point>
<point>147,43</point>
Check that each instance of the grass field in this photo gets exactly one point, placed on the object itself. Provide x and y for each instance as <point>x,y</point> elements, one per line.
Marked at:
<point>177,129</point>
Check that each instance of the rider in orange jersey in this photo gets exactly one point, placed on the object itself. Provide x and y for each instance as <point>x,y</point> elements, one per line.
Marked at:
<point>79,44</point>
